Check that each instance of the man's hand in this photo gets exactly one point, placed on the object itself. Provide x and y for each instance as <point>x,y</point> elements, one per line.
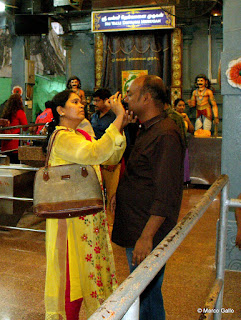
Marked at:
<point>113,203</point>
<point>144,244</point>
<point>142,249</point>
<point>128,118</point>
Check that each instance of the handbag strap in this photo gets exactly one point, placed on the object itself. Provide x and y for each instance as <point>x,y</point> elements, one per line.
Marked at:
<point>53,136</point>
<point>50,145</point>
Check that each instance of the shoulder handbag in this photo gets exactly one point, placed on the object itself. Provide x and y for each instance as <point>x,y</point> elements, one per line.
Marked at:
<point>66,191</point>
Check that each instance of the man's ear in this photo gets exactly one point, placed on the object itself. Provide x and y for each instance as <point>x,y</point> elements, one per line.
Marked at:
<point>147,97</point>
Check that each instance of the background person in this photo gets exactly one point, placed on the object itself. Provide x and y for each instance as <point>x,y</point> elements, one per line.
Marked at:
<point>103,115</point>
<point>80,265</point>
<point>14,112</point>
<point>44,117</point>
<point>149,195</point>
<point>86,126</point>
<point>178,119</point>
<point>100,121</point>
<point>179,105</point>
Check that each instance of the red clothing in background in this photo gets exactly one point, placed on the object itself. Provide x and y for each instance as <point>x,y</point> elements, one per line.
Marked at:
<point>44,117</point>
<point>19,119</point>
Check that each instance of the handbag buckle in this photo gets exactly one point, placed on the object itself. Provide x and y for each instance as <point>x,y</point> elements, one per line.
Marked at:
<point>65,177</point>
<point>46,174</point>
<point>84,172</point>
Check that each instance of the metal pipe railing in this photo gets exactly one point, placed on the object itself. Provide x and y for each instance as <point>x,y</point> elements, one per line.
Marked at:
<point>217,295</point>
<point>211,300</point>
<point>16,167</point>
<point>16,198</point>
<point>221,247</point>
<point>11,136</point>
<point>116,306</point>
<point>16,136</point>
<point>22,229</point>
<point>124,302</point>
<point>22,126</point>
<point>20,137</point>
<point>234,203</point>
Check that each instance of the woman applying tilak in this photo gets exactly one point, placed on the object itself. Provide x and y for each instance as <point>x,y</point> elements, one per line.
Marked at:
<point>80,264</point>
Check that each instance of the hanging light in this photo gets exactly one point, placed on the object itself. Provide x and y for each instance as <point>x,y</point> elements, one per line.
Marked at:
<point>2,6</point>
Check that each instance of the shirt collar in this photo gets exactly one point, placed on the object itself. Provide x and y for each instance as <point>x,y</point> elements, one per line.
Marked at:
<point>149,123</point>
<point>109,112</point>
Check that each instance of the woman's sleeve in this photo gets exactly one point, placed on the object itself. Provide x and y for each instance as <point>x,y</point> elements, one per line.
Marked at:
<point>73,147</point>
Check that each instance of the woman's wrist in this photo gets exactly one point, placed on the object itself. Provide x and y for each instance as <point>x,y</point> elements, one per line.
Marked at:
<point>118,122</point>
<point>120,115</point>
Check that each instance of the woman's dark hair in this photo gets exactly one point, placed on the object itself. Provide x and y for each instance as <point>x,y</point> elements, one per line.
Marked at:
<point>48,104</point>
<point>68,85</point>
<point>59,99</point>
<point>13,104</point>
<point>177,101</point>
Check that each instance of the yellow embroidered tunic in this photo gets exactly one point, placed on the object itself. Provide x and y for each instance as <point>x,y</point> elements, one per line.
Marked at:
<point>91,263</point>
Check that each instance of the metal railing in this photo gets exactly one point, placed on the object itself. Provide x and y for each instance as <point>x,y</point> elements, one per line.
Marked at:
<point>22,126</point>
<point>13,136</point>
<point>123,303</point>
<point>21,137</point>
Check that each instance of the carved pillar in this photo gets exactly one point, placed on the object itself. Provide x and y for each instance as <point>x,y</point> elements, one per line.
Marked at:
<point>98,59</point>
<point>176,87</point>
<point>187,41</point>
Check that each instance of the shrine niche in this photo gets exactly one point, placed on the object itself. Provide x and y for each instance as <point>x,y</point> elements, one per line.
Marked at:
<point>162,56</point>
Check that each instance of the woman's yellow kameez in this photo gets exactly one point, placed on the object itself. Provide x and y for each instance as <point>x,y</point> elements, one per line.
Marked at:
<point>91,264</point>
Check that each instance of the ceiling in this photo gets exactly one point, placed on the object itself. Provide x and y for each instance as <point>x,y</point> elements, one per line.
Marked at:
<point>185,10</point>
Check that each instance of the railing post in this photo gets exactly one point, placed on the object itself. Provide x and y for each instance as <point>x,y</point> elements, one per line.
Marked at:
<point>133,312</point>
<point>221,247</point>
<point>21,141</point>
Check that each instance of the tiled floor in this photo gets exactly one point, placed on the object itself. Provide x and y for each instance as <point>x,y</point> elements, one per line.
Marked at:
<point>189,274</point>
